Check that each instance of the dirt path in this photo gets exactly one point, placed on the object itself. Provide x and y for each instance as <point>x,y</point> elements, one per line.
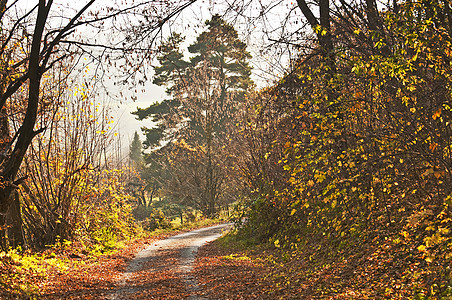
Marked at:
<point>163,269</point>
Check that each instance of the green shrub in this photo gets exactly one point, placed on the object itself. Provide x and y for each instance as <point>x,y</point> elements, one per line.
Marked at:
<point>190,216</point>
<point>141,213</point>
<point>156,220</point>
<point>106,240</point>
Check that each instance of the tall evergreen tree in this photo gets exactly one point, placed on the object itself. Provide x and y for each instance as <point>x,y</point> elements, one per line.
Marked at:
<point>135,150</point>
<point>205,92</point>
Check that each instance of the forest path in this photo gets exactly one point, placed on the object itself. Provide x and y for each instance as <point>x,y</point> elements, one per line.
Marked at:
<point>163,269</point>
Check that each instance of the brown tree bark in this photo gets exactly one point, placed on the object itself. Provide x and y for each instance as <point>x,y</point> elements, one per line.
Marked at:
<point>324,38</point>
<point>9,208</point>
<point>11,233</point>
<point>38,60</point>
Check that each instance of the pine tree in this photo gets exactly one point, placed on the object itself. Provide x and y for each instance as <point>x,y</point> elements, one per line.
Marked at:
<point>205,92</point>
<point>135,150</point>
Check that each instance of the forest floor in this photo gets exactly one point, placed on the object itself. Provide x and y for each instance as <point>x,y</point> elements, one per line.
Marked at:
<point>164,267</point>
<point>72,274</point>
<point>157,268</point>
<point>226,269</point>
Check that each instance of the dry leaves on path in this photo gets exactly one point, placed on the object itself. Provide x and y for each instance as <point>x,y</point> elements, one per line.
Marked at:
<point>97,278</point>
<point>101,278</point>
<point>94,279</point>
<point>222,275</point>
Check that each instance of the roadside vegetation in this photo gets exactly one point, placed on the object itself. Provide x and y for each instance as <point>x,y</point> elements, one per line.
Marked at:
<point>71,270</point>
<point>348,160</point>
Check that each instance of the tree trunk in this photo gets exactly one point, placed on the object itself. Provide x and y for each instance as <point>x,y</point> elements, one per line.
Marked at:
<point>12,161</point>
<point>11,233</point>
<point>14,218</point>
<point>322,28</point>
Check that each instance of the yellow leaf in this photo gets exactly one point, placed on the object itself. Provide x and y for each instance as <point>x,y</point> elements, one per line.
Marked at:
<point>429,259</point>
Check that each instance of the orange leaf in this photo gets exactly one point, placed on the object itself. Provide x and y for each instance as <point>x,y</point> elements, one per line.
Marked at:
<point>433,146</point>
<point>437,114</point>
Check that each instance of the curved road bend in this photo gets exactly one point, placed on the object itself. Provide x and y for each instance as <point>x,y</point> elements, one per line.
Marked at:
<point>162,270</point>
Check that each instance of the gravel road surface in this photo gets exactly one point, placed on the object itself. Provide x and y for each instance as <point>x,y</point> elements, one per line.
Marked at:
<point>163,269</point>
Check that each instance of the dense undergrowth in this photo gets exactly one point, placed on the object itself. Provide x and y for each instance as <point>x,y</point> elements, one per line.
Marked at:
<point>377,269</point>
<point>355,181</point>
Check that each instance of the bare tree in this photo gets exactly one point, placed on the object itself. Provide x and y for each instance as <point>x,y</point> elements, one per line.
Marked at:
<point>34,40</point>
